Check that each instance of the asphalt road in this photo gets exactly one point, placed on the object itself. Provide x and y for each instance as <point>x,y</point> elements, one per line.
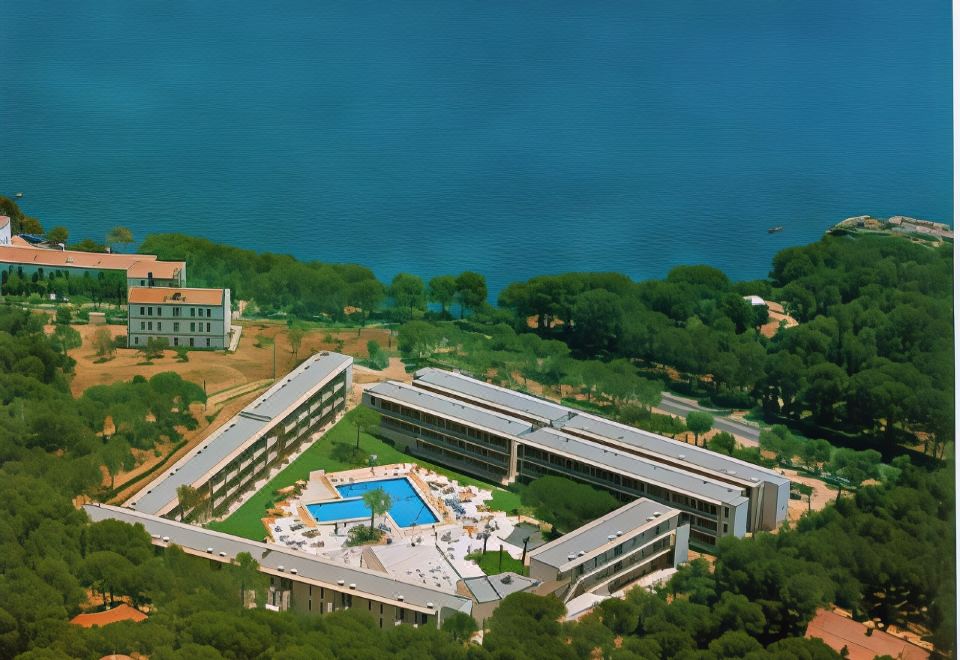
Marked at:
<point>680,406</point>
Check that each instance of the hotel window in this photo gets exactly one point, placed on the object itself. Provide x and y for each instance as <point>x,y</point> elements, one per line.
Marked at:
<point>141,311</point>
<point>208,312</point>
<point>149,311</point>
<point>193,327</point>
<point>346,600</point>
<point>208,342</point>
<point>401,614</point>
<point>193,311</point>
<point>150,325</point>
<point>159,311</point>
<point>142,283</point>
<point>191,342</point>
<point>136,340</point>
<point>143,325</point>
<point>176,326</point>
<point>176,341</point>
<point>158,326</point>
<point>208,327</point>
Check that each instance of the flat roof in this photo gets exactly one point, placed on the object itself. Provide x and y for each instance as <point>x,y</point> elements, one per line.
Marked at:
<point>272,557</point>
<point>164,270</point>
<point>636,466</point>
<point>564,417</point>
<point>596,534</point>
<point>488,588</point>
<point>174,295</point>
<point>725,466</point>
<point>15,254</point>
<point>500,396</point>
<point>450,408</point>
<point>240,430</point>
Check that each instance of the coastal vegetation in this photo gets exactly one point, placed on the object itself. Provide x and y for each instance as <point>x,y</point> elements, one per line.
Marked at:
<point>869,365</point>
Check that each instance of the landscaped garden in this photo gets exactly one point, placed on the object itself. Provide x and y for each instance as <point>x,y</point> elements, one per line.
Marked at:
<point>245,521</point>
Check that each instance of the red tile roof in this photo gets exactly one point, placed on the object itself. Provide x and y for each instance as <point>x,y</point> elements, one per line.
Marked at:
<point>120,613</point>
<point>839,631</point>
<point>70,258</point>
<point>161,294</point>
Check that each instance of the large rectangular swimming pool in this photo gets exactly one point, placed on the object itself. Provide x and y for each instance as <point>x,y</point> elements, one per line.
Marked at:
<point>407,508</point>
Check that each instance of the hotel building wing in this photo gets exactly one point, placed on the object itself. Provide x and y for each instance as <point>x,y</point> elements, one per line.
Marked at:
<point>195,318</point>
<point>491,444</point>
<point>258,438</point>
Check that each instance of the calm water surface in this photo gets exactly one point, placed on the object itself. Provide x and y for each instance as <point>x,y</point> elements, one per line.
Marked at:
<point>513,138</point>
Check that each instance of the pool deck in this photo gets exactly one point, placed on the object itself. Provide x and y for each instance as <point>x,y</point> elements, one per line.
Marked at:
<point>432,554</point>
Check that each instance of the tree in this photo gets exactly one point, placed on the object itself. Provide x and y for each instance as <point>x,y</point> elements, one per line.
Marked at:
<point>780,441</point>
<point>363,418</point>
<point>103,342</point>
<point>442,290</point>
<point>58,235</point>
<point>366,294</point>
<point>188,498</point>
<point>246,571</point>
<point>295,334</point>
<point>597,321</point>
<point>408,295</point>
<point>460,626</point>
<point>64,315</point>
<point>154,348</point>
<point>698,423</point>
<point>471,291</point>
<point>723,443</point>
<point>378,501</point>
<point>853,467</point>
<point>120,235</point>
<point>65,338</point>
<point>565,503</point>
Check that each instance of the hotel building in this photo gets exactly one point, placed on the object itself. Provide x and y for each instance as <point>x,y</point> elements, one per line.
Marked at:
<point>298,581</point>
<point>503,436</point>
<point>621,547</point>
<point>196,318</point>
<point>261,436</point>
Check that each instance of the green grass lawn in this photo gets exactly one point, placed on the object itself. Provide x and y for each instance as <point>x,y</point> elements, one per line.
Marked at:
<point>245,521</point>
<point>492,563</point>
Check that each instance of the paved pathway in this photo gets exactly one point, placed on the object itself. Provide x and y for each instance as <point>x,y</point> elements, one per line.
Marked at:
<point>675,405</point>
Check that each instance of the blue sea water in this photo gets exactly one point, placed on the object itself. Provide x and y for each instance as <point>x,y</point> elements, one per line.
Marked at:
<point>512,138</point>
<point>407,508</point>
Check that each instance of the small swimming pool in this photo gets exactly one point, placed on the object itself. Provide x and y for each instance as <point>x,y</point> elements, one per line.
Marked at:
<point>407,507</point>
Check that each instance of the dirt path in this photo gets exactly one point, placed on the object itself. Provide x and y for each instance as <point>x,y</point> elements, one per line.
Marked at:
<point>822,495</point>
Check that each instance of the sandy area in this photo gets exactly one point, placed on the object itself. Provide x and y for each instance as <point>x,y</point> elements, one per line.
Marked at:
<point>218,370</point>
<point>821,495</point>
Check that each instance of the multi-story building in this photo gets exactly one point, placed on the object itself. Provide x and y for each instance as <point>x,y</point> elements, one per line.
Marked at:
<point>260,437</point>
<point>768,491</point>
<point>195,318</point>
<point>504,436</point>
<point>502,449</point>
<point>617,549</point>
<point>301,582</point>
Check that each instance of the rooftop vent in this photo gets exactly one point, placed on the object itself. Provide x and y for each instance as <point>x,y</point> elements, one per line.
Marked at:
<point>353,585</point>
<point>400,598</point>
<point>581,553</point>
<point>619,532</point>
<point>681,456</point>
<point>657,514</point>
<point>610,537</point>
<point>166,539</point>
<point>293,571</point>
<point>223,554</point>
<point>340,582</point>
<point>571,557</point>
<point>430,606</point>
<point>280,568</point>
<point>210,550</point>
<point>156,536</point>
<point>506,579</point>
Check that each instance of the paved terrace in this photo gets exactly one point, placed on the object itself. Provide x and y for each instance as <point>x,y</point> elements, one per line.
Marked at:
<point>281,562</point>
<point>243,429</point>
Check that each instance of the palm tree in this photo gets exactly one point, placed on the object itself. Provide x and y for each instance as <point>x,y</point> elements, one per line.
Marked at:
<point>378,501</point>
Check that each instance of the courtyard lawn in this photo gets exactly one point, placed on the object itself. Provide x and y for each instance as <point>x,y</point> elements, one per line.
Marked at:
<point>245,521</point>
<point>491,564</point>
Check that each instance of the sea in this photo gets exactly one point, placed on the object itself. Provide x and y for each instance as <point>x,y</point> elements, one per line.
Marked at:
<point>509,137</point>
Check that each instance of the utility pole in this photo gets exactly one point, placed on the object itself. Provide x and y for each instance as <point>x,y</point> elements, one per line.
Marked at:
<point>274,358</point>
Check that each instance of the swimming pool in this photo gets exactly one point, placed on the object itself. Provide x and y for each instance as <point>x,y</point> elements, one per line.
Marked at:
<point>407,507</point>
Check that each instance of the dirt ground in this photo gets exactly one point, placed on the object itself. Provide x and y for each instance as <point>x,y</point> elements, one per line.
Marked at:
<point>218,370</point>
<point>821,495</point>
<point>232,380</point>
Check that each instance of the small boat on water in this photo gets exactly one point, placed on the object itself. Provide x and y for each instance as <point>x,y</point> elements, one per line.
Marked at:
<point>19,195</point>
<point>775,230</point>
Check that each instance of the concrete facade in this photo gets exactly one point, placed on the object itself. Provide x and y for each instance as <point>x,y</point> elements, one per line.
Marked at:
<point>260,437</point>
<point>194,318</point>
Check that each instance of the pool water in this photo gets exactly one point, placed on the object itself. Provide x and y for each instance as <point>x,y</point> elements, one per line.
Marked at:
<point>407,507</point>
